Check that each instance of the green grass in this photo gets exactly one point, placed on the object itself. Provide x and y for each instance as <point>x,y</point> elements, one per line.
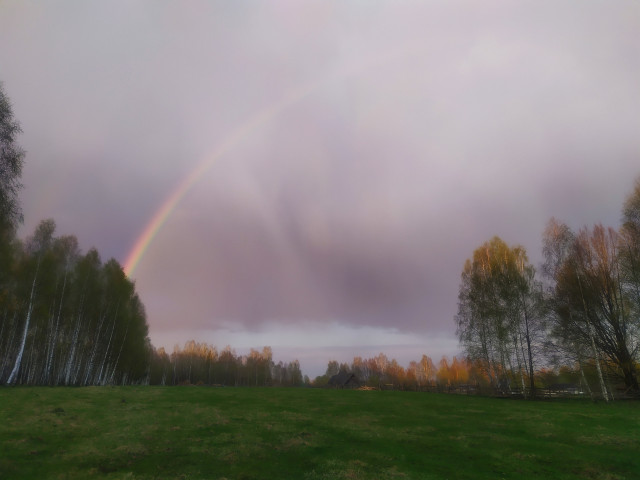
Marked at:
<point>252,433</point>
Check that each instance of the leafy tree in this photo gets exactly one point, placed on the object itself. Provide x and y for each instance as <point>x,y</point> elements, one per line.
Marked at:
<point>630,248</point>
<point>161,370</point>
<point>443,372</point>
<point>500,311</point>
<point>593,306</point>
<point>427,369</point>
<point>458,371</point>
<point>333,367</point>
<point>359,369</point>
<point>564,345</point>
<point>294,374</point>
<point>11,161</point>
<point>395,374</point>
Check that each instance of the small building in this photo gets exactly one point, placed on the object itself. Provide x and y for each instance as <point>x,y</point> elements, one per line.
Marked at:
<point>344,380</point>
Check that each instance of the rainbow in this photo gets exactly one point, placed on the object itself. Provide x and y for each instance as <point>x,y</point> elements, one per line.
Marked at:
<point>168,206</point>
<point>256,120</point>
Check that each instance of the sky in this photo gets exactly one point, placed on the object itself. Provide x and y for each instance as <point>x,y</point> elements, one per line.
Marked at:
<point>312,176</point>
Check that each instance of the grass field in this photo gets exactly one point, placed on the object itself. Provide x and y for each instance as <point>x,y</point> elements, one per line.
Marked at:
<point>253,433</point>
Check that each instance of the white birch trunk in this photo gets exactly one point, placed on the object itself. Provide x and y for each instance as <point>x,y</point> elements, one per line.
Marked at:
<point>597,357</point>
<point>54,339</point>
<point>14,329</point>
<point>74,344</point>
<point>115,365</point>
<point>91,364</point>
<point>7,349</point>
<point>32,365</point>
<point>16,366</point>
<point>582,375</point>
<point>520,363</point>
<point>101,379</point>
<point>593,345</point>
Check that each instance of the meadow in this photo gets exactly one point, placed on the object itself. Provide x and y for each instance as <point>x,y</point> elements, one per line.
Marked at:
<point>272,433</point>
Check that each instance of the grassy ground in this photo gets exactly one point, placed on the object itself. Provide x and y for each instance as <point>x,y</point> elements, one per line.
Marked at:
<point>215,433</point>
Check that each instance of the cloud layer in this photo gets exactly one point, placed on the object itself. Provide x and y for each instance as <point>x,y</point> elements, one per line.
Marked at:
<point>424,129</point>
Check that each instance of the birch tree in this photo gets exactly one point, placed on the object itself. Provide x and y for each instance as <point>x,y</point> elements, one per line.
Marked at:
<point>593,299</point>
<point>38,245</point>
<point>499,313</point>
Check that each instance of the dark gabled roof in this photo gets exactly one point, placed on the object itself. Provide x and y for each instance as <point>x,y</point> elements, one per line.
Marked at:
<point>343,378</point>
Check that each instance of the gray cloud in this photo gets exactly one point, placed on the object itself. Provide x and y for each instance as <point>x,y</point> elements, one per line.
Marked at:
<point>426,130</point>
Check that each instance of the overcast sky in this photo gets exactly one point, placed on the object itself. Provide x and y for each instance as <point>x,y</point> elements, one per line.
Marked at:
<point>370,147</point>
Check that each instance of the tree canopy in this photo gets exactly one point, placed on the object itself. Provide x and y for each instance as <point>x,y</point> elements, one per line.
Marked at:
<point>499,311</point>
<point>588,317</point>
<point>11,161</point>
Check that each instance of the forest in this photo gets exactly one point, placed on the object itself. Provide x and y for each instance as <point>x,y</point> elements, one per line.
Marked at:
<point>68,318</point>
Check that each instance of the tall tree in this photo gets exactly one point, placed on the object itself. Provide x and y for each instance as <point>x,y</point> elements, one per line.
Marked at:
<point>38,246</point>
<point>11,161</point>
<point>630,248</point>
<point>499,312</point>
<point>427,369</point>
<point>333,367</point>
<point>565,345</point>
<point>592,287</point>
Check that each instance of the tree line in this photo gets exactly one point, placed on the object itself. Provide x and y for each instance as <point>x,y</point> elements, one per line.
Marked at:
<point>66,318</point>
<point>455,375</point>
<point>381,372</point>
<point>582,312</point>
<point>203,364</point>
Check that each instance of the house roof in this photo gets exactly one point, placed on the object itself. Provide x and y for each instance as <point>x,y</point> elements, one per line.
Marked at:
<point>343,378</point>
